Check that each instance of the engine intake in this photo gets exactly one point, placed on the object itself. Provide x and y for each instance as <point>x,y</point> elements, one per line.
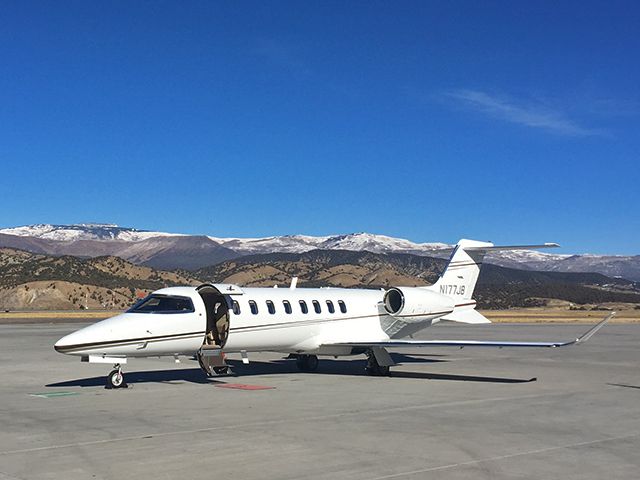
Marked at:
<point>393,301</point>
<point>416,302</point>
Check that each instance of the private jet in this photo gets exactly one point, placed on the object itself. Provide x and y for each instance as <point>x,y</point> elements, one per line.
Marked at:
<point>215,319</point>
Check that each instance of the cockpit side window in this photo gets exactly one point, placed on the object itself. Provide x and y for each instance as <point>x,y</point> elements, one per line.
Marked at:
<point>156,303</point>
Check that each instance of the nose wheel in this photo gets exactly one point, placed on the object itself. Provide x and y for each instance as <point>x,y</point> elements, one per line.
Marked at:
<point>115,379</point>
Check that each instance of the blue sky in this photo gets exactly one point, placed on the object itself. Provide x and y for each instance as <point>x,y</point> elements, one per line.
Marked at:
<point>502,121</point>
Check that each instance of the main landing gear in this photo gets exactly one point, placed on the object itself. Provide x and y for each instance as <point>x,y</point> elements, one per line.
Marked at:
<point>378,362</point>
<point>115,379</point>
<point>307,363</point>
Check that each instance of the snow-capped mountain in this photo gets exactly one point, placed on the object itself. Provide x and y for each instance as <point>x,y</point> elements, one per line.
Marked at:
<point>245,246</point>
<point>304,243</point>
<point>283,244</point>
<point>174,250</point>
<point>530,259</point>
<point>84,231</point>
<point>379,244</point>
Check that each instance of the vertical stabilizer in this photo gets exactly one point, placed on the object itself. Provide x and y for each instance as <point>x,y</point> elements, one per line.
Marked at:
<point>458,280</point>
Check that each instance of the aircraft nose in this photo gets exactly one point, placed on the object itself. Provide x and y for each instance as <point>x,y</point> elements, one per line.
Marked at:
<point>76,339</point>
<point>77,343</point>
<point>65,342</point>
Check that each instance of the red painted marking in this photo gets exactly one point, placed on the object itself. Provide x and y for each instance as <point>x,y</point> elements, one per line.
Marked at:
<point>242,386</point>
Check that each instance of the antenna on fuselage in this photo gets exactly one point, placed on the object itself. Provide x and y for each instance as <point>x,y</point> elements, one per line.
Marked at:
<point>294,282</point>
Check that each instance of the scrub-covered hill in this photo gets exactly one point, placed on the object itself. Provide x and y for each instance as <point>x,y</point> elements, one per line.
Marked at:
<point>498,287</point>
<point>38,281</point>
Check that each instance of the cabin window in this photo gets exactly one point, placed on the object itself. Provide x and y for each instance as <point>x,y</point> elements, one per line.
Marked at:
<point>287,306</point>
<point>156,303</point>
<point>330,306</point>
<point>343,306</point>
<point>303,307</point>
<point>253,306</point>
<point>236,308</point>
<point>271,307</point>
<point>316,306</point>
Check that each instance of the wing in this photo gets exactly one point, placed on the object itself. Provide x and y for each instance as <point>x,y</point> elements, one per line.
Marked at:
<point>476,343</point>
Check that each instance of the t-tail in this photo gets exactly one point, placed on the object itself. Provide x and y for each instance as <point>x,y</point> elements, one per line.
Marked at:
<point>459,278</point>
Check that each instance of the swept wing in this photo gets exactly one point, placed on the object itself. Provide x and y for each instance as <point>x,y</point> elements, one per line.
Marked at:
<point>478,343</point>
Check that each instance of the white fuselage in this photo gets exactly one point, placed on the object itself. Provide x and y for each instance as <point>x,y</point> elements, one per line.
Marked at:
<point>357,316</point>
<point>212,319</point>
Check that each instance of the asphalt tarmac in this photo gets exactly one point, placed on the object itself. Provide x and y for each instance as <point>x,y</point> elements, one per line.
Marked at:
<point>445,413</point>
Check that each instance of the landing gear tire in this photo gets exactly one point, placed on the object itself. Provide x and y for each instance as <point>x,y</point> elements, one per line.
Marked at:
<point>307,363</point>
<point>115,379</point>
<point>373,368</point>
<point>378,371</point>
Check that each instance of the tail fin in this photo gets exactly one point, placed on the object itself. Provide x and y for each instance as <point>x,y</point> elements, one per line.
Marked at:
<point>458,280</point>
<point>459,277</point>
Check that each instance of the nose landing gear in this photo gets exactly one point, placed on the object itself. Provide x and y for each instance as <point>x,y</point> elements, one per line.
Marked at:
<point>115,379</point>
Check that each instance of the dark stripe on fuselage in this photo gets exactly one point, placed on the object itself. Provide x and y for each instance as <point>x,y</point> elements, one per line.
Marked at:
<point>466,304</point>
<point>120,343</point>
<point>267,326</point>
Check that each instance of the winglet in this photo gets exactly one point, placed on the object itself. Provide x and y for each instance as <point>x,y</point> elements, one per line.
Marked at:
<point>591,332</point>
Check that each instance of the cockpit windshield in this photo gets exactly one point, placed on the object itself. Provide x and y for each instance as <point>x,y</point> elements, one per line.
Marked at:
<point>163,304</point>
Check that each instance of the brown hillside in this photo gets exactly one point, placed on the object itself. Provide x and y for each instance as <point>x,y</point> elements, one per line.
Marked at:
<point>34,281</point>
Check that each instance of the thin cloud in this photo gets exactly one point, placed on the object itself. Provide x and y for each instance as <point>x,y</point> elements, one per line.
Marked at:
<point>510,110</point>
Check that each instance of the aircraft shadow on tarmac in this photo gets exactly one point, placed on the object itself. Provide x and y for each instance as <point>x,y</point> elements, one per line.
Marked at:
<point>284,366</point>
<point>624,385</point>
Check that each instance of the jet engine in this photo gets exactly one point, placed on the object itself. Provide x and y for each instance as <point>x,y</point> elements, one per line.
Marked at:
<point>416,303</point>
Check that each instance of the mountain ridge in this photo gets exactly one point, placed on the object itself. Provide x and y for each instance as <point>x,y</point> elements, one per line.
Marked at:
<point>172,250</point>
<point>29,280</point>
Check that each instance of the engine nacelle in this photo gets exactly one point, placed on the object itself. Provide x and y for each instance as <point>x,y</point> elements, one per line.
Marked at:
<point>416,303</point>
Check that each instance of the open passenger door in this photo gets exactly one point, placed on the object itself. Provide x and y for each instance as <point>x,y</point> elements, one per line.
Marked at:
<point>218,307</point>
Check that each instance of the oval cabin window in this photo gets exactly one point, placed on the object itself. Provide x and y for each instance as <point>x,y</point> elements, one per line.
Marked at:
<point>343,306</point>
<point>330,306</point>
<point>271,307</point>
<point>253,306</point>
<point>287,306</point>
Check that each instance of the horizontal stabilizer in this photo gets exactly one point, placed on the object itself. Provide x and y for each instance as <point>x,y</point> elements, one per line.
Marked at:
<point>466,316</point>
<point>495,248</point>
